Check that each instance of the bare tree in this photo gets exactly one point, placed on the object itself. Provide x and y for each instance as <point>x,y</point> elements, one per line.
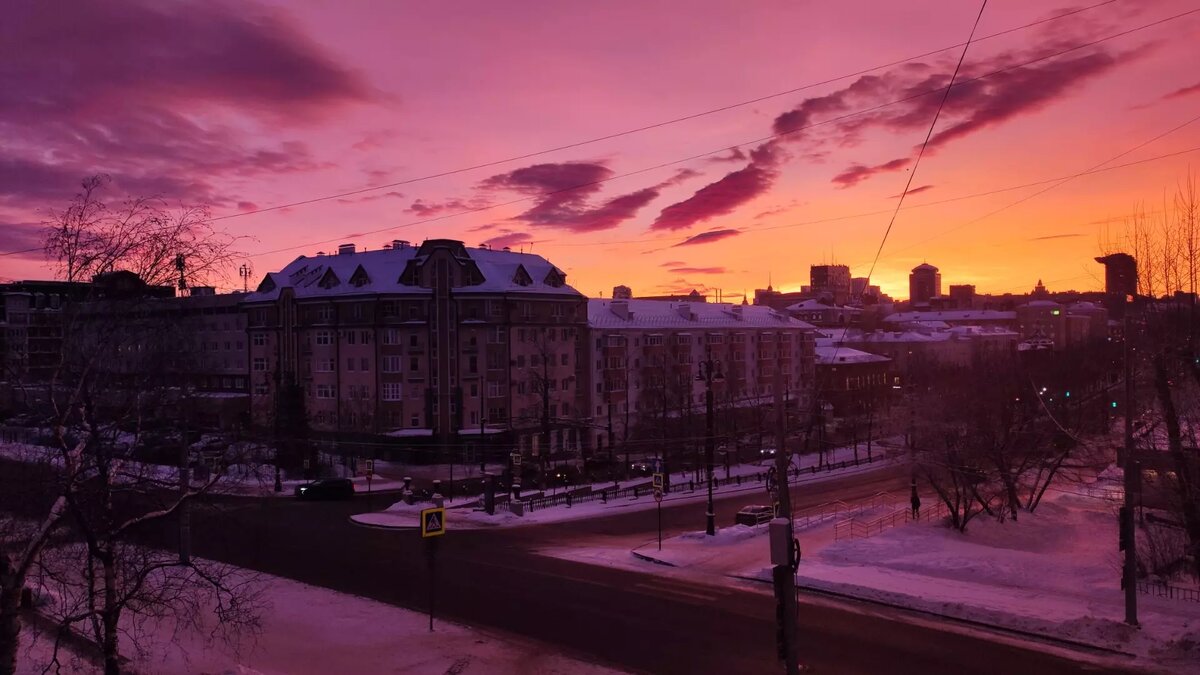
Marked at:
<point>113,382</point>
<point>140,234</point>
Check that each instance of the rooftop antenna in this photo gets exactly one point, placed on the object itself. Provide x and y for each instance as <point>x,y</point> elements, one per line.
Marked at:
<point>180,265</point>
<point>244,273</point>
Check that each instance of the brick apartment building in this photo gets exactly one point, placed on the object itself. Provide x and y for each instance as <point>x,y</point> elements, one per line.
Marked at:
<point>438,342</point>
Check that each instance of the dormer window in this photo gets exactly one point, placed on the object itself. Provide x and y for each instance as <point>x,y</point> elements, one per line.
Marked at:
<point>555,278</point>
<point>359,278</point>
<point>329,280</point>
<point>521,277</point>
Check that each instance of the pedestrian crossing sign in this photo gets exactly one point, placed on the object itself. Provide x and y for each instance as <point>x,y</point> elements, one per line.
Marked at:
<point>433,522</point>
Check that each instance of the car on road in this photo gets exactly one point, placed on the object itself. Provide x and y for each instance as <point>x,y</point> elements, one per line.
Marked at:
<point>641,468</point>
<point>326,488</point>
<point>754,515</point>
<point>767,452</point>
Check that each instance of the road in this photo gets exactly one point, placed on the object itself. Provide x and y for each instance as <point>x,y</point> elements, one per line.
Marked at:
<point>621,618</point>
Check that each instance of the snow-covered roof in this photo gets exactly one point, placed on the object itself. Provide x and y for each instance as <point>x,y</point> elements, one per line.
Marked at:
<point>378,272</point>
<point>608,313</point>
<point>827,355</point>
<point>1042,303</point>
<point>814,305</point>
<point>952,315</point>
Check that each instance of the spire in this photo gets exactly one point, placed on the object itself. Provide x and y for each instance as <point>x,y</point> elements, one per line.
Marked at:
<point>770,287</point>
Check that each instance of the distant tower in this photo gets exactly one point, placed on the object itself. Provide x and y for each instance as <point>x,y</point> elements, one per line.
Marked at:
<point>1120,274</point>
<point>924,284</point>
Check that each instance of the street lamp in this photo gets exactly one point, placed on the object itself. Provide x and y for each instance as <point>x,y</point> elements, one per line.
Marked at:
<point>710,371</point>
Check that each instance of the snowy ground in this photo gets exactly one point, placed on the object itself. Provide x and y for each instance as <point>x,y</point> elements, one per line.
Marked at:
<point>298,637</point>
<point>1053,573</point>
<point>401,515</point>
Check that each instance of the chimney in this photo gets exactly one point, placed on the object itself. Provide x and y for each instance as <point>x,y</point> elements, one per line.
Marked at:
<point>685,311</point>
<point>320,254</point>
<point>399,244</point>
<point>508,249</point>
<point>621,309</point>
<point>345,249</point>
<point>622,293</point>
<point>738,312</point>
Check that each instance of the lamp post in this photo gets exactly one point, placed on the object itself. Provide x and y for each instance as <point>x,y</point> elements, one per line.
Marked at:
<point>710,371</point>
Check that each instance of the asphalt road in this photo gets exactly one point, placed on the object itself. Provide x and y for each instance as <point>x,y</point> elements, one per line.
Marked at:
<point>634,621</point>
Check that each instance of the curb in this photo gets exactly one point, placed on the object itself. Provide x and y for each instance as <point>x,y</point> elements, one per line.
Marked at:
<point>1036,637</point>
<point>383,527</point>
<point>651,559</point>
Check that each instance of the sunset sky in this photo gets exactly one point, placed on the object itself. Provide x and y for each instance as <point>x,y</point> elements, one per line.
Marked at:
<point>247,106</point>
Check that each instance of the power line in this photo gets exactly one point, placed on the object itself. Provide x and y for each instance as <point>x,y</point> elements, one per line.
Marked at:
<point>924,144</point>
<point>658,125</point>
<point>1097,168</point>
<point>726,148</point>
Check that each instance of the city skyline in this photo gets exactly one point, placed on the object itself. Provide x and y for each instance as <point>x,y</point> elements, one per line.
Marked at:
<point>343,114</point>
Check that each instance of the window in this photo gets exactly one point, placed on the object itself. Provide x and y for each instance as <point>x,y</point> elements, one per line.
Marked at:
<point>495,307</point>
<point>520,360</point>
<point>556,310</point>
<point>494,390</point>
<point>474,417</point>
<point>390,308</point>
<point>566,384</point>
<point>566,334</point>
<point>654,340</point>
<point>414,364</point>
<point>474,390</point>
<point>350,363</point>
<point>228,345</point>
<point>391,336</point>
<point>565,358</point>
<point>259,340</point>
<point>391,391</point>
<point>260,365</point>
<point>416,420</point>
<point>473,364</point>
<point>413,341</point>
<point>520,335</point>
<point>391,364</point>
<point>325,391</point>
<point>323,337</point>
<point>240,345</point>
<point>324,365</point>
<point>325,313</point>
<point>356,310</point>
<point>683,339</point>
<point>260,389</point>
<point>351,337</point>
<point>498,335</point>
<point>526,310</point>
<point>364,364</point>
<point>521,387</point>
<point>366,337</point>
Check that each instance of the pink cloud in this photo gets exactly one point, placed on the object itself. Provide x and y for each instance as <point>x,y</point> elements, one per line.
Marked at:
<point>726,194</point>
<point>563,193</point>
<point>708,237</point>
<point>858,172</point>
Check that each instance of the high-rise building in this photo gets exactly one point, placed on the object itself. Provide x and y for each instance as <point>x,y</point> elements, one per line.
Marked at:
<point>831,282</point>
<point>1120,274</point>
<point>924,284</point>
<point>962,296</point>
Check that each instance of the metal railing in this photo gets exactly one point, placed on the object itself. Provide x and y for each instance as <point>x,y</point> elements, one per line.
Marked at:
<point>1168,591</point>
<point>855,528</point>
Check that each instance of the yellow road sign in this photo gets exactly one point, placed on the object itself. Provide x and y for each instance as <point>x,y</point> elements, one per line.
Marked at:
<point>433,522</point>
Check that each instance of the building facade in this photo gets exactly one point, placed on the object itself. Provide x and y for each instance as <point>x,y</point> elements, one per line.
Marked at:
<point>831,282</point>
<point>437,341</point>
<point>642,362</point>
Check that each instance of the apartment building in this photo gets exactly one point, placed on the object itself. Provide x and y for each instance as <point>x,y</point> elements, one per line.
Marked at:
<point>438,341</point>
<point>642,360</point>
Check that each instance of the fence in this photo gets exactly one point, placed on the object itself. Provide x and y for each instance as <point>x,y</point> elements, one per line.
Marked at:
<point>674,486</point>
<point>1168,591</point>
<point>854,528</point>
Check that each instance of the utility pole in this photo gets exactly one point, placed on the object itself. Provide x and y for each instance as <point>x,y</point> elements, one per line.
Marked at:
<point>185,516</point>
<point>708,374</point>
<point>784,574</point>
<point>1131,470</point>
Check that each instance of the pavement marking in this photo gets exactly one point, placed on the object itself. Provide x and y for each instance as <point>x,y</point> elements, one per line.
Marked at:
<point>675,590</point>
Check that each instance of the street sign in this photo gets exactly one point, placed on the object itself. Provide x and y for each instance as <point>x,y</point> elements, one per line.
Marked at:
<point>657,465</point>
<point>306,464</point>
<point>658,494</point>
<point>516,459</point>
<point>657,482</point>
<point>433,522</point>
<point>370,466</point>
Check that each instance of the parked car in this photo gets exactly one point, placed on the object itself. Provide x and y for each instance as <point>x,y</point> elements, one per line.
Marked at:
<point>641,468</point>
<point>326,488</point>
<point>754,515</point>
<point>767,452</point>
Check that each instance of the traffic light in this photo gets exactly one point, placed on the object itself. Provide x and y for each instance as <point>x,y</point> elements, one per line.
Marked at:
<point>1114,404</point>
<point>1068,393</point>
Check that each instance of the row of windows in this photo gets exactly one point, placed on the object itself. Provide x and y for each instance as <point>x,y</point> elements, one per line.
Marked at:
<point>686,338</point>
